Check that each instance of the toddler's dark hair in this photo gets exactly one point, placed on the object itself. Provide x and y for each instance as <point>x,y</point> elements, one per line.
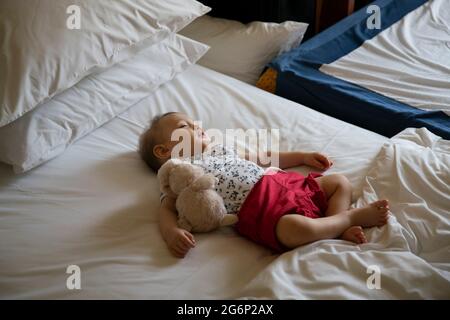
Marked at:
<point>148,140</point>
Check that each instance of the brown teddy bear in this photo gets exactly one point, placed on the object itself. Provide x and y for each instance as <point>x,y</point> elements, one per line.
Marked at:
<point>200,208</point>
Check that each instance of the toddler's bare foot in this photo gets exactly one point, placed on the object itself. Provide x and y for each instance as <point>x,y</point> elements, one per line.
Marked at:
<point>374,214</point>
<point>354,234</point>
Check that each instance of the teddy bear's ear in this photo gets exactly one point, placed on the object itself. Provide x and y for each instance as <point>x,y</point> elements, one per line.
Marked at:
<point>205,182</point>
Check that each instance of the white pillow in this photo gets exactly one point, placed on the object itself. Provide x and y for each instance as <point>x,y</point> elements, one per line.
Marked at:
<point>240,50</point>
<point>41,56</point>
<point>46,131</point>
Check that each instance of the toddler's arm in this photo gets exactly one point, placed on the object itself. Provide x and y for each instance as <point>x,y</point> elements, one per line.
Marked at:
<point>179,241</point>
<point>294,158</point>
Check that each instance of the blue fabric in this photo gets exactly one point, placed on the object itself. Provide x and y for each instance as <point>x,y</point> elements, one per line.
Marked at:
<point>300,80</point>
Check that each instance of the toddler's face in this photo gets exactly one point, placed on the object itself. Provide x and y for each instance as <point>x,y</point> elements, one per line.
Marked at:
<point>187,128</point>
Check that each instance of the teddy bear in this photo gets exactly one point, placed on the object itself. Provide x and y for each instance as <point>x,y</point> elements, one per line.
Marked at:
<point>200,208</point>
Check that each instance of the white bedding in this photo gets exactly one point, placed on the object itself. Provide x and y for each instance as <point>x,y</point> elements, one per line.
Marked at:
<point>408,62</point>
<point>412,252</point>
<point>95,206</point>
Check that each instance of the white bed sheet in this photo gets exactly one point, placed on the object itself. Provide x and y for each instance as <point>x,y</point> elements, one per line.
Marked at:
<point>408,62</point>
<point>411,253</point>
<point>95,206</point>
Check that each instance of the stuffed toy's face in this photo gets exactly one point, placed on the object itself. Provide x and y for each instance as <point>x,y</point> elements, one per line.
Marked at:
<point>182,176</point>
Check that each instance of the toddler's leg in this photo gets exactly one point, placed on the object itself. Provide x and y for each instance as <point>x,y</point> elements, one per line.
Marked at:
<point>294,230</point>
<point>338,191</point>
<point>339,194</point>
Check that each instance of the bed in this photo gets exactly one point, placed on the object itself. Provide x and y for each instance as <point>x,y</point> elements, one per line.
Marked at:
<point>95,206</point>
<point>383,79</point>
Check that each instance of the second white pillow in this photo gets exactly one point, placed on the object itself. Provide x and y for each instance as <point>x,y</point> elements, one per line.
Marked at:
<point>241,51</point>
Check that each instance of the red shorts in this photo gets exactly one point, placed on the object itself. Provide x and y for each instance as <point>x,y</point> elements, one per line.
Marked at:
<point>272,197</point>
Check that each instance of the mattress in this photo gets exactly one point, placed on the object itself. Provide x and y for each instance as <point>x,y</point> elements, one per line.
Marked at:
<point>385,79</point>
<point>96,205</point>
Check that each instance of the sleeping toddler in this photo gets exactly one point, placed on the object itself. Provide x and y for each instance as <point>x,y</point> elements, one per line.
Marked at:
<point>281,210</point>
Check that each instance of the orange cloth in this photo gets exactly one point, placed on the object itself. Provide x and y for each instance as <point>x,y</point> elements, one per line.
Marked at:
<point>268,80</point>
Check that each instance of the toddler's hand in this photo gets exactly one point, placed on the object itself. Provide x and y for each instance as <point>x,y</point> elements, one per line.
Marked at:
<point>179,242</point>
<point>318,160</point>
